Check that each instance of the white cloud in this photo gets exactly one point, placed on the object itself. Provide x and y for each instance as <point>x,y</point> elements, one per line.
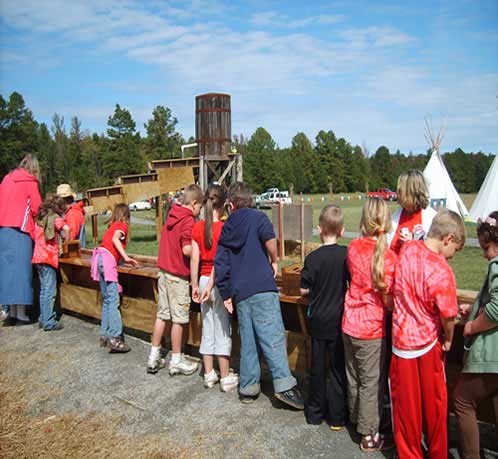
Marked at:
<point>355,81</point>
<point>278,20</point>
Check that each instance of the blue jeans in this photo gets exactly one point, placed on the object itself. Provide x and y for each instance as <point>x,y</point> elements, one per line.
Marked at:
<point>110,322</point>
<point>48,291</point>
<point>260,321</point>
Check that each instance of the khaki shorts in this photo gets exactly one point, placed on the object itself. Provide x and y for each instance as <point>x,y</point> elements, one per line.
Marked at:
<point>174,298</point>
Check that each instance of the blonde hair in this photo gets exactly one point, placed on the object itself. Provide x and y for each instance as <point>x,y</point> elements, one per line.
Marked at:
<point>120,213</point>
<point>446,222</point>
<point>192,193</point>
<point>412,191</point>
<point>376,222</point>
<point>331,220</point>
<point>31,165</point>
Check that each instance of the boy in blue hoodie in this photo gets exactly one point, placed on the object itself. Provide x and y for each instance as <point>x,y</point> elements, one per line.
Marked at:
<point>245,278</point>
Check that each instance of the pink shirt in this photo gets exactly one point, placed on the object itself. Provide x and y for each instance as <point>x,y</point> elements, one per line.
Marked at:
<point>109,264</point>
<point>424,291</point>
<point>364,311</point>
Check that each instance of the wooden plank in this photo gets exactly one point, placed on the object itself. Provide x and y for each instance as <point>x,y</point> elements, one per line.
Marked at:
<point>144,269</point>
<point>466,296</point>
<point>174,163</point>
<point>174,179</point>
<point>134,192</point>
<point>103,203</point>
<point>82,300</point>
<point>138,313</point>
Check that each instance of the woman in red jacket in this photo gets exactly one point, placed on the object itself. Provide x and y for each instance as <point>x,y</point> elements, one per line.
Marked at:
<point>19,202</point>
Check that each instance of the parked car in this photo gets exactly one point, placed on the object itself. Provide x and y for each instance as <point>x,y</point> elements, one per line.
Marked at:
<point>140,205</point>
<point>267,200</point>
<point>384,193</point>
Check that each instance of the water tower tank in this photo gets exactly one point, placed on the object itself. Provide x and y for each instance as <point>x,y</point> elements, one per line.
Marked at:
<point>213,125</point>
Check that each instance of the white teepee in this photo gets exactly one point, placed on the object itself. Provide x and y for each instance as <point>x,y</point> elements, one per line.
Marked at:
<point>487,198</point>
<point>442,192</point>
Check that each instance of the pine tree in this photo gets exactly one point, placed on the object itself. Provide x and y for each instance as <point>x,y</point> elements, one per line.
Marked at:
<point>260,162</point>
<point>122,155</point>
<point>162,141</point>
<point>18,132</point>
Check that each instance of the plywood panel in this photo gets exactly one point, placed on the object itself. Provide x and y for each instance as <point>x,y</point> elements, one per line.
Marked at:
<point>140,191</point>
<point>82,300</point>
<point>174,179</point>
<point>103,203</point>
<point>138,313</point>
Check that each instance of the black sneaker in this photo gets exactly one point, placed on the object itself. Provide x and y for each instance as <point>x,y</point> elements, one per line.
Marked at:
<point>247,399</point>
<point>291,397</point>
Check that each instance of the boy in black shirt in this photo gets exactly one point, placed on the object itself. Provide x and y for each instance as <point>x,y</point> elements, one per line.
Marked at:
<point>325,278</point>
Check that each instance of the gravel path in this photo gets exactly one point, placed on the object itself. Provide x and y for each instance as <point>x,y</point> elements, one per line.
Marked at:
<point>76,376</point>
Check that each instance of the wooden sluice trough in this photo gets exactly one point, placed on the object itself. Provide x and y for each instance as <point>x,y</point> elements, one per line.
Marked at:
<point>81,295</point>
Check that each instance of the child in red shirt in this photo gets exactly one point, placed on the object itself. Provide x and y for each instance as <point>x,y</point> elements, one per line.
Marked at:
<point>371,265</point>
<point>425,306</point>
<point>49,224</point>
<point>414,218</point>
<point>75,213</point>
<point>175,250</point>
<point>216,320</point>
<point>104,268</point>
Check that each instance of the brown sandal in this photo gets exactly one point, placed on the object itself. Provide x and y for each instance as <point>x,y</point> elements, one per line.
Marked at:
<point>117,345</point>
<point>103,341</point>
<point>372,442</point>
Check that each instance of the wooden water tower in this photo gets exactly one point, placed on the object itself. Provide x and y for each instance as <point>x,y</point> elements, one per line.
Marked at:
<point>213,132</point>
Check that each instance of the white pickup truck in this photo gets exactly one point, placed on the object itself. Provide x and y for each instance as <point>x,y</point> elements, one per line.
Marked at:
<point>271,197</point>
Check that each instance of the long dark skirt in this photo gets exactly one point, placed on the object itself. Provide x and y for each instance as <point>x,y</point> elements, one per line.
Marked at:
<point>16,273</point>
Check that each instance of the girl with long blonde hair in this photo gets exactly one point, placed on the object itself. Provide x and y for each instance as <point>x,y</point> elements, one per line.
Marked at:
<point>371,265</point>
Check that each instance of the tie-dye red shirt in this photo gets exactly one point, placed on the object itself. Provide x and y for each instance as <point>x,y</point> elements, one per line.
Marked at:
<point>424,291</point>
<point>364,311</point>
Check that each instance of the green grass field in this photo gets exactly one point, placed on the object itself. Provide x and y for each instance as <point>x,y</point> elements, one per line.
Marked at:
<point>469,265</point>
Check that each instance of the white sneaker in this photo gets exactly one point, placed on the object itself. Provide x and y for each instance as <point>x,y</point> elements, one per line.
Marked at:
<point>4,315</point>
<point>229,382</point>
<point>184,366</point>
<point>155,364</point>
<point>210,379</point>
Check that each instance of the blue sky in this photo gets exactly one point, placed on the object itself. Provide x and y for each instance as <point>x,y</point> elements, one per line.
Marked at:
<point>369,71</point>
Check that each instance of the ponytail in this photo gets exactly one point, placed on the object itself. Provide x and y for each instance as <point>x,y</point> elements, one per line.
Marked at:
<point>375,222</point>
<point>378,262</point>
<point>208,226</point>
<point>214,199</point>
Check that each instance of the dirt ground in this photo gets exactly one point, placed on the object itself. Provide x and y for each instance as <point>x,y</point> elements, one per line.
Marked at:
<point>62,396</point>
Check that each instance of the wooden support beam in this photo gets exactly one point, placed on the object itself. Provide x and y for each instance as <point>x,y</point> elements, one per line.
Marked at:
<point>226,171</point>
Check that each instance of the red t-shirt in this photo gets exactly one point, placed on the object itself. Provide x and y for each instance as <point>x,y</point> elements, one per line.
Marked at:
<point>406,220</point>
<point>424,290</point>
<point>107,239</point>
<point>364,311</point>
<point>75,218</point>
<point>206,256</point>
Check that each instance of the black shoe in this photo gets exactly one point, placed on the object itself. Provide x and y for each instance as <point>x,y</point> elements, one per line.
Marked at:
<point>56,327</point>
<point>23,322</point>
<point>291,397</point>
<point>247,399</point>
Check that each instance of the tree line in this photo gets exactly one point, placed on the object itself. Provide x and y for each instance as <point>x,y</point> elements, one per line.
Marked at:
<point>70,154</point>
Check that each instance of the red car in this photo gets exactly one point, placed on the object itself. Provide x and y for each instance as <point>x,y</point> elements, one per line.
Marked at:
<point>384,193</point>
